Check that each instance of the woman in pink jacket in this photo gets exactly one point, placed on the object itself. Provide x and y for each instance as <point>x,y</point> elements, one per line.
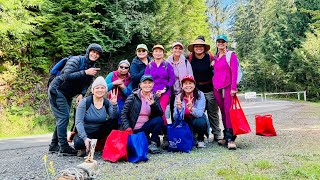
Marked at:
<point>225,86</point>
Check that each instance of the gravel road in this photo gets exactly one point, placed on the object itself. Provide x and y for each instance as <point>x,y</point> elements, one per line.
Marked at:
<point>22,158</point>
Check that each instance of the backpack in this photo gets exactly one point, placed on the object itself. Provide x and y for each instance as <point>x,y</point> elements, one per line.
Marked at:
<point>89,101</point>
<point>57,68</point>
<point>240,69</point>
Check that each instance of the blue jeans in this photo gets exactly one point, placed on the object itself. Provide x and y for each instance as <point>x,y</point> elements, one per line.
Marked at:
<point>60,107</point>
<point>152,126</point>
<point>198,126</point>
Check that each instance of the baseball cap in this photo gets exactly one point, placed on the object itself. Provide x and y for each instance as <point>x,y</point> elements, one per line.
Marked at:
<point>223,37</point>
<point>142,46</point>
<point>146,77</point>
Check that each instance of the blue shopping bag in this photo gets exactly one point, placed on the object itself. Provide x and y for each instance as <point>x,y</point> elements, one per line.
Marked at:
<point>137,147</point>
<point>180,136</point>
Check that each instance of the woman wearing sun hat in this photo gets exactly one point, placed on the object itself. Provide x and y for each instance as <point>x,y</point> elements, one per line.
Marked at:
<point>202,72</point>
<point>191,104</point>
<point>225,86</point>
<point>139,64</point>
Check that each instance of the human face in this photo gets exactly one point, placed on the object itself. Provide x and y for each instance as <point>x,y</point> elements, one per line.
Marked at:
<point>142,53</point>
<point>158,53</point>
<point>198,48</point>
<point>99,91</point>
<point>123,69</point>
<point>221,44</point>
<point>188,86</point>
<point>177,50</point>
<point>94,55</point>
<point>146,86</point>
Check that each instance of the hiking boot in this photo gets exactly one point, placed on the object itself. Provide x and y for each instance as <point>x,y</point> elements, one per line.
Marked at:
<point>54,148</point>
<point>201,144</point>
<point>222,142</point>
<point>81,153</point>
<point>165,142</point>
<point>68,151</point>
<point>153,149</point>
<point>232,145</point>
<point>216,138</point>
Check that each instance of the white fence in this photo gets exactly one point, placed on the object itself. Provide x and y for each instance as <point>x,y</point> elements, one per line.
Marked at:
<point>252,96</point>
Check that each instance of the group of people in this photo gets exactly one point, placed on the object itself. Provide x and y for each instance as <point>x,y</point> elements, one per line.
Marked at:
<point>140,92</point>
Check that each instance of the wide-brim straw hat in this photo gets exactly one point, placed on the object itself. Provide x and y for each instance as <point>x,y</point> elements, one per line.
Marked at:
<point>200,42</point>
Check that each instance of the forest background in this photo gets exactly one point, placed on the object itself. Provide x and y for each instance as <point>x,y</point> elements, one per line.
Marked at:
<point>277,42</point>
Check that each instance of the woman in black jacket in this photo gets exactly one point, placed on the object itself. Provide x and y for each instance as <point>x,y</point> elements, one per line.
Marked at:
<point>142,113</point>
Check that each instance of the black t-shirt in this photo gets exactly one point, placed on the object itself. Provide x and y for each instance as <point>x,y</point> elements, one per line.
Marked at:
<point>202,72</point>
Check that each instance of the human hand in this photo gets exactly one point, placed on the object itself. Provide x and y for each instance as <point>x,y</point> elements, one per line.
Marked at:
<point>233,92</point>
<point>178,102</point>
<point>79,99</point>
<point>92,71</point>
<point>87,143</point>
<point>117,82</point>
<point>189,105</point>
<point>150,100</point>
<point>160,92</point>
<point>114,96</point>
<point>129,130</point>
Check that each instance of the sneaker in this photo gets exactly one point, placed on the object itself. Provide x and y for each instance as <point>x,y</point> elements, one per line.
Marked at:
<point>153,149</point>
<point>165,142</point>
<point>232,145</point>
<point>68,151</point>
<point>201,144</point>
<point>222,142</point>
<point>81,153</point>
<point>54,148</point>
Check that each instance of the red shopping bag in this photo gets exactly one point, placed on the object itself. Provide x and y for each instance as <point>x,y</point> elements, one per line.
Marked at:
<point>115,147</point>
<point>264,125</point>
<point>239,121</point>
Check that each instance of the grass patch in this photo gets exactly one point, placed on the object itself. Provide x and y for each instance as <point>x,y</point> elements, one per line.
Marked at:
<point>263,164</point>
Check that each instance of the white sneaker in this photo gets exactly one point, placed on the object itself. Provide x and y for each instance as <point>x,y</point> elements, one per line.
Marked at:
<point>201,144</point>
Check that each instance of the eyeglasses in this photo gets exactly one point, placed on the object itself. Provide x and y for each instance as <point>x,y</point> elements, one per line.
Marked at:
<point>123,67</point>
<point>143,50</point>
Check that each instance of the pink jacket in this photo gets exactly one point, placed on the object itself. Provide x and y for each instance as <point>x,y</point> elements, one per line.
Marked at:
<point>225,75</point>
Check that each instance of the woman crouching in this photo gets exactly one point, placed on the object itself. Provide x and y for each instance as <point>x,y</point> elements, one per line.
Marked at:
<point>96,117</point>
<point>142,113</point>
<point>190,105</point>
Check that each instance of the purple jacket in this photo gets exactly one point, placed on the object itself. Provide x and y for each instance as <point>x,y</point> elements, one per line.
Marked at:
<point>162,76</point>
<point>225,75</point>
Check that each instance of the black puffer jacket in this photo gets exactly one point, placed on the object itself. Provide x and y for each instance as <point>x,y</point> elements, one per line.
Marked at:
<point>132,107</point>
<point>73,81</point>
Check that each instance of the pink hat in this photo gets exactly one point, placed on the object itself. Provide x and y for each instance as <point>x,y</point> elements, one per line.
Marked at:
<point>177,44</point>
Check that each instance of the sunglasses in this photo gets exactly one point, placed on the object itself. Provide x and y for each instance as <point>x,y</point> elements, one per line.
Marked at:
<point>143,50</point>
<point>123,67</point>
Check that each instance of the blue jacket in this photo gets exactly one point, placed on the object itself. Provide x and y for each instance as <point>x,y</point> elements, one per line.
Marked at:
<point>73,81</point>
<point>137,69</point>
<point>198,108</point>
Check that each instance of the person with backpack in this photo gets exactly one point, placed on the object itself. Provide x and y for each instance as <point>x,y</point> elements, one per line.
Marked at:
<point>139,64</point>
<point>163,75</point>
<point>72,81</point>
<point>142,113</point>
<point>98,119</point>
<point>203,73</point>
<point>120,80</point>
<point>190,105</point>
<point>181,67</point>
<point>225,86</point>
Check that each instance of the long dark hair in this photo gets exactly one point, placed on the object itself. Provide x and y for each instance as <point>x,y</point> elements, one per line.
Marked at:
<point>195,93</point>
